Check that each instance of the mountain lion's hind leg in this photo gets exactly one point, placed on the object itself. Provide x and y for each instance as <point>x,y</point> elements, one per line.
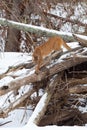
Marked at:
<point>39,63</point>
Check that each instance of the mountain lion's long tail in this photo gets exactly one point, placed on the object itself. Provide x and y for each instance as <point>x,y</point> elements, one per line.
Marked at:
<point>66,46</point>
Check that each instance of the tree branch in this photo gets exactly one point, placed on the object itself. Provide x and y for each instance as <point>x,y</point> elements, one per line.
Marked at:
<point>65,19</point>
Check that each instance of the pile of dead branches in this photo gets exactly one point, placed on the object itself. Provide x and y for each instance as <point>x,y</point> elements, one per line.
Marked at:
<point>69,91</point>
<point>64,81</point>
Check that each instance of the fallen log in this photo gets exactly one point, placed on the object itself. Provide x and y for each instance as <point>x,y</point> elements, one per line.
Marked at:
<point>77,86</point>
<point>53,69</point>
<point>79,89</point>
<point>74,82</point>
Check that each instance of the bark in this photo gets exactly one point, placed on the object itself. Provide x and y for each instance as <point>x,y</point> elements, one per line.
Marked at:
<point>12,42</point>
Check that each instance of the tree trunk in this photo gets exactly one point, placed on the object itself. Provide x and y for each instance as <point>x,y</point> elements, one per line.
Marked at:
<point>13,38</point>
<point>13,35</point>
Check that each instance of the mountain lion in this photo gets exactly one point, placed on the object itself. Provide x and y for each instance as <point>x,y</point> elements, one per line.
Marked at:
<point>53,44</point>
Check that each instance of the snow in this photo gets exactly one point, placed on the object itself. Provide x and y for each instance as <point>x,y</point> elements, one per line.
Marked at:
<point>34,127</point>
<point>83,109</point>
<point>12,59</point>
<point>14,116</point>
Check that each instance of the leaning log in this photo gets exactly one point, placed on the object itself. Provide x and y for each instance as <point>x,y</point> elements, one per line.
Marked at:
<point>41,31</point>
<point>44,101</point>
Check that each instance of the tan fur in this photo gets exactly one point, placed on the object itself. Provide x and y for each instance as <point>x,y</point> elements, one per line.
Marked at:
<point>53,44</point>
